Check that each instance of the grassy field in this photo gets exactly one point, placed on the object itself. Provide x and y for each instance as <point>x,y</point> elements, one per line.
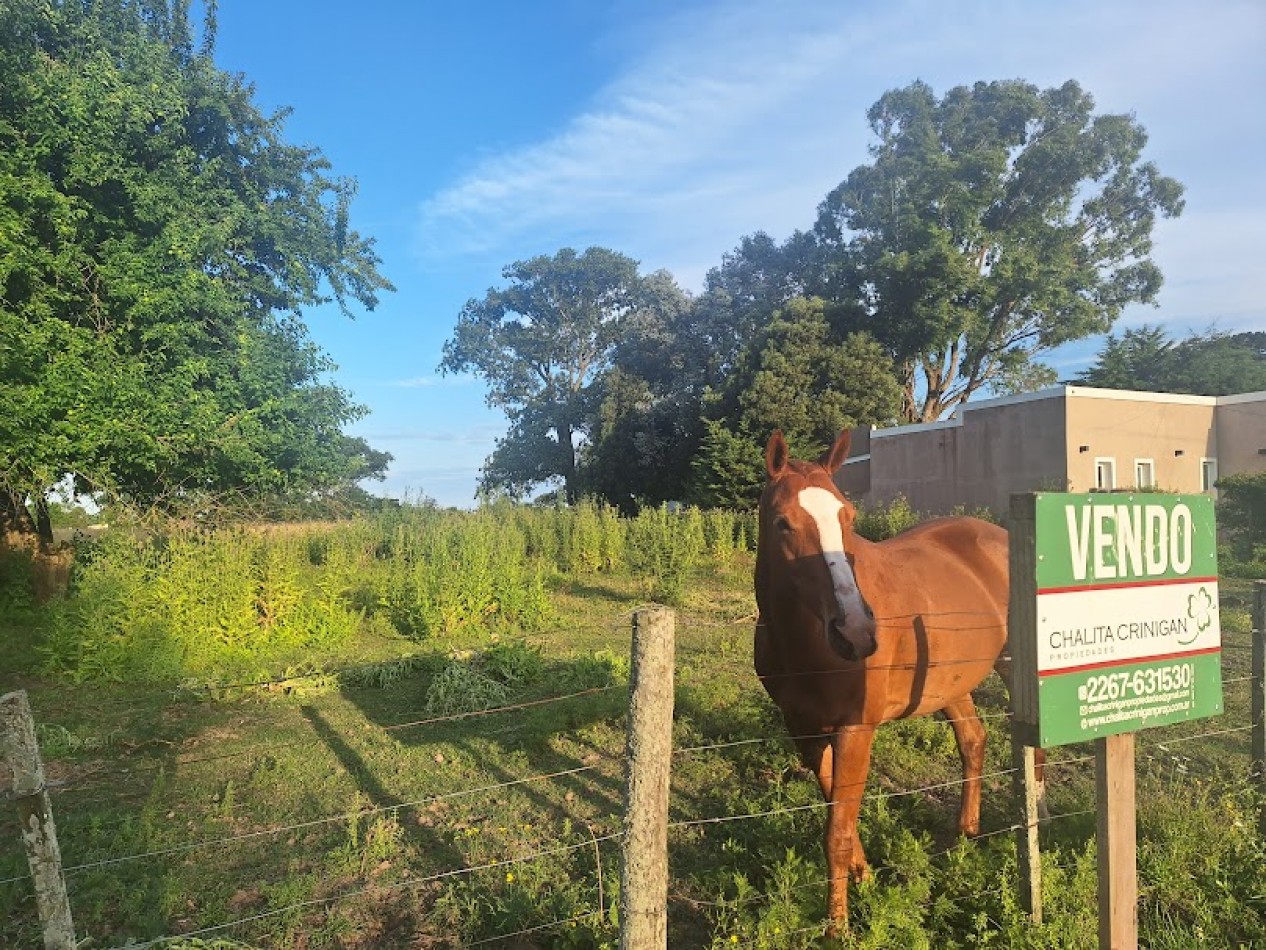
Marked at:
<point>453,775</point>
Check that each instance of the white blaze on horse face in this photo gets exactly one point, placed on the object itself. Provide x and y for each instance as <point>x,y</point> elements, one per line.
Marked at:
<point>824,508</point>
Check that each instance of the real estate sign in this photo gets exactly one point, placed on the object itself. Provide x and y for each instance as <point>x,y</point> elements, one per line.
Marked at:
<point>1125,614</point>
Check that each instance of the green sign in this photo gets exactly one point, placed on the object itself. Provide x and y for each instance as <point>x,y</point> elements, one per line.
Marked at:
<point>1127,613</point>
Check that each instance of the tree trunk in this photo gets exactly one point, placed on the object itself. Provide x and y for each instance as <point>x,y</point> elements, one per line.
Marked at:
<point>567,458</point>
<point>43,523</point>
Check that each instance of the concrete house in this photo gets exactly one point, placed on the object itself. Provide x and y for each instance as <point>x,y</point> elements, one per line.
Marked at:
<point>1066,438</point>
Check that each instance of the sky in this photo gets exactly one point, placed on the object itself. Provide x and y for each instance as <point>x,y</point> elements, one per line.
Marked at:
<point>484,133</point>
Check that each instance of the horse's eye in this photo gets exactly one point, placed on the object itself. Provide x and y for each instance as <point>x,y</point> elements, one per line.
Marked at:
<point>782,524</point>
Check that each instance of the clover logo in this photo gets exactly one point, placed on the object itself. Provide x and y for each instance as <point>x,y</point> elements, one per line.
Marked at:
<point>1200,609</point>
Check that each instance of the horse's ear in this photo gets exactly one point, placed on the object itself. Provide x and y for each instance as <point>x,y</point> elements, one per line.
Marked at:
<point>776,454</point>
<point>833,459</point>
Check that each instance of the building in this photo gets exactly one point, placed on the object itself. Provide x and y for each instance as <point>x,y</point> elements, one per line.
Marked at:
<point>1067,438</point>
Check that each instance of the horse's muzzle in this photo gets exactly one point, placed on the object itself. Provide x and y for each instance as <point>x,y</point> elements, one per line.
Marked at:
<point>853,638</point>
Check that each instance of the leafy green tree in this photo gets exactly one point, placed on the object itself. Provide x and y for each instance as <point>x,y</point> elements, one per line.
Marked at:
<point>1206,364</point>
<point>646,407</point>
<point>803,379</point>
<point>540,344</point>
<point>642,443</point>
<point>993,224</point>
<point>799,375</point>
<point>741,296</point>
<point>729,468</point>
<point>159,240</point>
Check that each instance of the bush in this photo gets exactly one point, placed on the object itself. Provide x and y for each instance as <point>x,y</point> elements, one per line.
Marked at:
<point>193,604</point>
<point>879,524</point>
<point>447,571</point>
<point>1242,511</point>
<point>665,545</point>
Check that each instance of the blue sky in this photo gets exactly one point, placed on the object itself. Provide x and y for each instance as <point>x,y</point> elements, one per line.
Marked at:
<point>484,133</point>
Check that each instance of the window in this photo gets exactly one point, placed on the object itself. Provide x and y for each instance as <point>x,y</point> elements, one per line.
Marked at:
<point>1208,474</point>
<point>1144,473</point>
<point>1105,474</point>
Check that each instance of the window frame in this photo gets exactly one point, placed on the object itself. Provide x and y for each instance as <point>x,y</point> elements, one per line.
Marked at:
<point>1110,463</point>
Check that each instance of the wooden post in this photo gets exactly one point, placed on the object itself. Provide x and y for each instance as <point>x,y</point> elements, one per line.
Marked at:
<point>20,752</point>
<point>1028,847</point>
<point>1022,689</point>
<point>1118,875</point>
<point>644,872</point>
<point>1257,688</point>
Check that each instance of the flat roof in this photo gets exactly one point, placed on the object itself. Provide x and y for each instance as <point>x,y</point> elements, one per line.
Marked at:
<point>1069,392</point>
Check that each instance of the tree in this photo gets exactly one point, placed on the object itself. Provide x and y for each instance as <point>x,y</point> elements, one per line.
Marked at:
<point>540,343</point>
<point>1205,364</point>
<point>159,241</point>
<point>646,405</point>
<point>801,375</point>
<point>993,224</point>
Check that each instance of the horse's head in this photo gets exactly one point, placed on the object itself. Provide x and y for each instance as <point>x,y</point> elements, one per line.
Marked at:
<point>804,524</point>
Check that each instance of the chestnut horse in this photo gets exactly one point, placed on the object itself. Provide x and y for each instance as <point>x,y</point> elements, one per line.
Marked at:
<point>853,633</point>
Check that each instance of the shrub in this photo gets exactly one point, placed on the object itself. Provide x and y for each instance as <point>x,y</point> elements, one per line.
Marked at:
<point>878,524</point>
<point>664,545</point>
<point>1242,511</point>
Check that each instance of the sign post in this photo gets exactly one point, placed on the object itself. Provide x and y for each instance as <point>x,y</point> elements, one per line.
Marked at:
<point>1114,628</point>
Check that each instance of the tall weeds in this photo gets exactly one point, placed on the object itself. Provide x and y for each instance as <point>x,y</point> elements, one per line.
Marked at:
<point>243,601</point>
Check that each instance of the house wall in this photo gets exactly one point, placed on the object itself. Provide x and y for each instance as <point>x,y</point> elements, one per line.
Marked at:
<point>1241,429</point>
<point>974,461</point>
<point>1050,440</point>
<point>1129,426</point>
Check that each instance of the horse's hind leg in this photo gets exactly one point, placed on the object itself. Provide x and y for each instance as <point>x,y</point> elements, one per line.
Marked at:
<point>971,749</point>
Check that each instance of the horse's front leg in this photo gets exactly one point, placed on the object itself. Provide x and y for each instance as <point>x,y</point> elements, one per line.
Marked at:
<point>970,734</point>
<point>849,759</point>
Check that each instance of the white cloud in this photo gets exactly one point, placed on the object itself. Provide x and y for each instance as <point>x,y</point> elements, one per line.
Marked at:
<point>740,117</point>
<point>430,382</point>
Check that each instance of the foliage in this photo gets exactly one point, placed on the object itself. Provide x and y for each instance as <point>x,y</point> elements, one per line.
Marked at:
<point>540,343</point>
<point>729,469</point>
<point>1206,364</point>
<point>994,223</point>
<point>878,523</point>
<point>664,546</point>
<point>193,603</point>
<point>511,821</point>
<point>800,376</point>
<point>483,680</point>
<point>1242,510</point>
<point>159,240</point>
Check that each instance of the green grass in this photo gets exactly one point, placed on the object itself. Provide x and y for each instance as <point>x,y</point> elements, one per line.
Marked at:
<point>383,794</point>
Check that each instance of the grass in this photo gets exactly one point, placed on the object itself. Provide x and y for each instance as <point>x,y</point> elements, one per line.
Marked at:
<point>407,822</point>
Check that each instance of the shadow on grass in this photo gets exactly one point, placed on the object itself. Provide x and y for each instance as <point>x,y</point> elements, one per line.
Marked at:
<point>434,845</point>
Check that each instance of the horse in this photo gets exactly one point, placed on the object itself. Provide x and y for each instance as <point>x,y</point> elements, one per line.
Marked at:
<point>851,634</point>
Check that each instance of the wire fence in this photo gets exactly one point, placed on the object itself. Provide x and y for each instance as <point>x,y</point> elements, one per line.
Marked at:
<point>594,840</point>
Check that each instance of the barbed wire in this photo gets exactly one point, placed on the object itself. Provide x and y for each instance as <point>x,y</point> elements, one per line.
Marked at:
<point>513,707</point>
<point>233,839</point>
<point>392,886</point>
<point>316,740</point>
<point>823,882</point>
<point>315,822</point>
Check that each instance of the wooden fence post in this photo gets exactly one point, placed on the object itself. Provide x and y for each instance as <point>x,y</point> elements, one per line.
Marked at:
<point>648,765</point>
<point>19,749</point>
<point>1257,687</point>
<point>1028,846</point>
<point>1117,834</point>
<point>1022,688</point>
